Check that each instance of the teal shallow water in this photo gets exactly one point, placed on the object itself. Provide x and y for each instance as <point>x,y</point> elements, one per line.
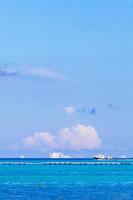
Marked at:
<point>39,181</point>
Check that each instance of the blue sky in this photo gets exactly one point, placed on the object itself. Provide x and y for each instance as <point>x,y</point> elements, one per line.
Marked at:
<point>60,54</point>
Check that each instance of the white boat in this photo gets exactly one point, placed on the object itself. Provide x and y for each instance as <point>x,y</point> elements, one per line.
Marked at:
<point>102,157</point>
<point>99,157</point>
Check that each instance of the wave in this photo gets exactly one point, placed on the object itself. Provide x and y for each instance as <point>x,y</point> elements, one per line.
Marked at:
<point>66,163</point>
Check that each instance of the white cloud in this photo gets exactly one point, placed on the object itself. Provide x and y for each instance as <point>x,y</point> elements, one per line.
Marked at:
<point>79,137</point>
<point>69,109</point>
<point>76,137</point>
<point>41,139</point>
<point>43,72</point>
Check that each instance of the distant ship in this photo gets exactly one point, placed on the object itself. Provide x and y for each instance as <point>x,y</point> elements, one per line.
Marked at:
<point>102,157</point>
<point>58,155</point>
<point>22,157</point>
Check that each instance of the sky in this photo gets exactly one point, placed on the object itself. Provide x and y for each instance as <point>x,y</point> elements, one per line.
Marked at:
<point>66,77</point>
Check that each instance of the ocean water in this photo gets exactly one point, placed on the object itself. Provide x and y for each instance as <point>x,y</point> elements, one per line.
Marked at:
<point>40,179</point>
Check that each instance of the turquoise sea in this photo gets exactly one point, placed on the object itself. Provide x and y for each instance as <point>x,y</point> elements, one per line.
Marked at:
<point>87,179</point>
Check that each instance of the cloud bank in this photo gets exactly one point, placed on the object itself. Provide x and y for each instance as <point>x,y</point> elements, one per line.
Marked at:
<point>77,137</point>
<point>4,71</point>
<point>32,72</point>
<point>43,72</point>
<point>90,110</point>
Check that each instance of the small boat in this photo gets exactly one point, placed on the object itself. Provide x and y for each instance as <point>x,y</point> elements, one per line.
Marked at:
<point>102,157</point>
<point>99,157</point>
